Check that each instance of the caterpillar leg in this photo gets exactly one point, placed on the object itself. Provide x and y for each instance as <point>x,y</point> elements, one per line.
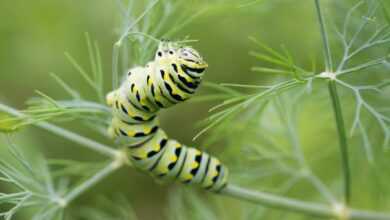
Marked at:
<point>110,98</point>
<point>111,132</point>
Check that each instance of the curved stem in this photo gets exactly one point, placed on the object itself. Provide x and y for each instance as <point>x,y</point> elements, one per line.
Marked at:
<point>309,208</point>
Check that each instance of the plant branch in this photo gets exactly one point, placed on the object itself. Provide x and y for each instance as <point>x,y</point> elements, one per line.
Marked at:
<point>91,182</point>
<point>342,139</point>
<point>310,208</point>
<point>361,104</point>
<point>362,66</point>
<point>336,106</point>
<point>325,40</point>
<point>83,141</point>
<point>118,44</point>
<point>307,172</point>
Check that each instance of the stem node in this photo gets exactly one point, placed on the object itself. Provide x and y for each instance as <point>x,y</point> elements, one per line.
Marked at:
<point>328,75</point>
<point>121,159</point>
<point>341,211</point>
<point>61,202</point>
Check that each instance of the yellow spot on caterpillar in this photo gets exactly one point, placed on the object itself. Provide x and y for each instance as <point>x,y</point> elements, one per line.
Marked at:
<point>163,173</point>
<point>142,154</point>
<point>166,77</point>
<point>187,177</point>
<point>173,158</point>
<point>131,133</point>
<point>214,173</point>
<point>194,165</point>
<point>143,101</point>
<point>162,169</point>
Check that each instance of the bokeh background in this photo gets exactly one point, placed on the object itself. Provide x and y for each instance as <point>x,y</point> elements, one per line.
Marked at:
<point>35,34</point>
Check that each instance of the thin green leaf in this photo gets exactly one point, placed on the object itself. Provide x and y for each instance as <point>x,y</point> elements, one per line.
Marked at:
<point>82,72</point>
<point>268,49</point>
<point>48,98</point>
<point>268,59</point>
<point>385,11</point>
<point>220,88</point>
<point>8,123</point>
<point>92,56</point>
<point>270,70</point>
<point>99,65</point>
<point>245,86</point>
<point>73,93</point>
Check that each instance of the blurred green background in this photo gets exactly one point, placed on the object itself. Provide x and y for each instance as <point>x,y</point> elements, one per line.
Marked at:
<point>35,34</point>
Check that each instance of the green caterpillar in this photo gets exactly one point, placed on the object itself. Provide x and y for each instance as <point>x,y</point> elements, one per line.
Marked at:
<point>172,77</point>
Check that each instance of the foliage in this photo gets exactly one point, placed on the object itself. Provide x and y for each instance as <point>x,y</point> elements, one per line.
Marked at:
<point>260,126</point>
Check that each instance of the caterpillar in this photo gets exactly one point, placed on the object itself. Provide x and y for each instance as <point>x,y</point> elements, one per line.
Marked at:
<point>172,77</point>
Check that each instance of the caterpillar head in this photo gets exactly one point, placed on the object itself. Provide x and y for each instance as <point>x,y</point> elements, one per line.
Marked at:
<point>186,57</point>
<point>191,58</point>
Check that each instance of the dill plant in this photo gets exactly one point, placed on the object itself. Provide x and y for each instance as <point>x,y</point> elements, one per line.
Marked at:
<point>46,192</point>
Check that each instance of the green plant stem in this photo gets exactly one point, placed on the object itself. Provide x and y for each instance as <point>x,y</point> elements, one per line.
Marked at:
<point>299,155</point>
<point>310,208</point>
<point>118,44</point>
<point>325,40</point>
<point>115,63</point>
<point>342,139</point>
<point>336,106</point>
<point>262,198</point>
<point>274,201</point>
<point>83,141</point>
<point>91,182</point>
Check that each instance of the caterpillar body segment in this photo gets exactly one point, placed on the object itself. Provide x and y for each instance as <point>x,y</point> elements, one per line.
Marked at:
<point>172,77</point>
